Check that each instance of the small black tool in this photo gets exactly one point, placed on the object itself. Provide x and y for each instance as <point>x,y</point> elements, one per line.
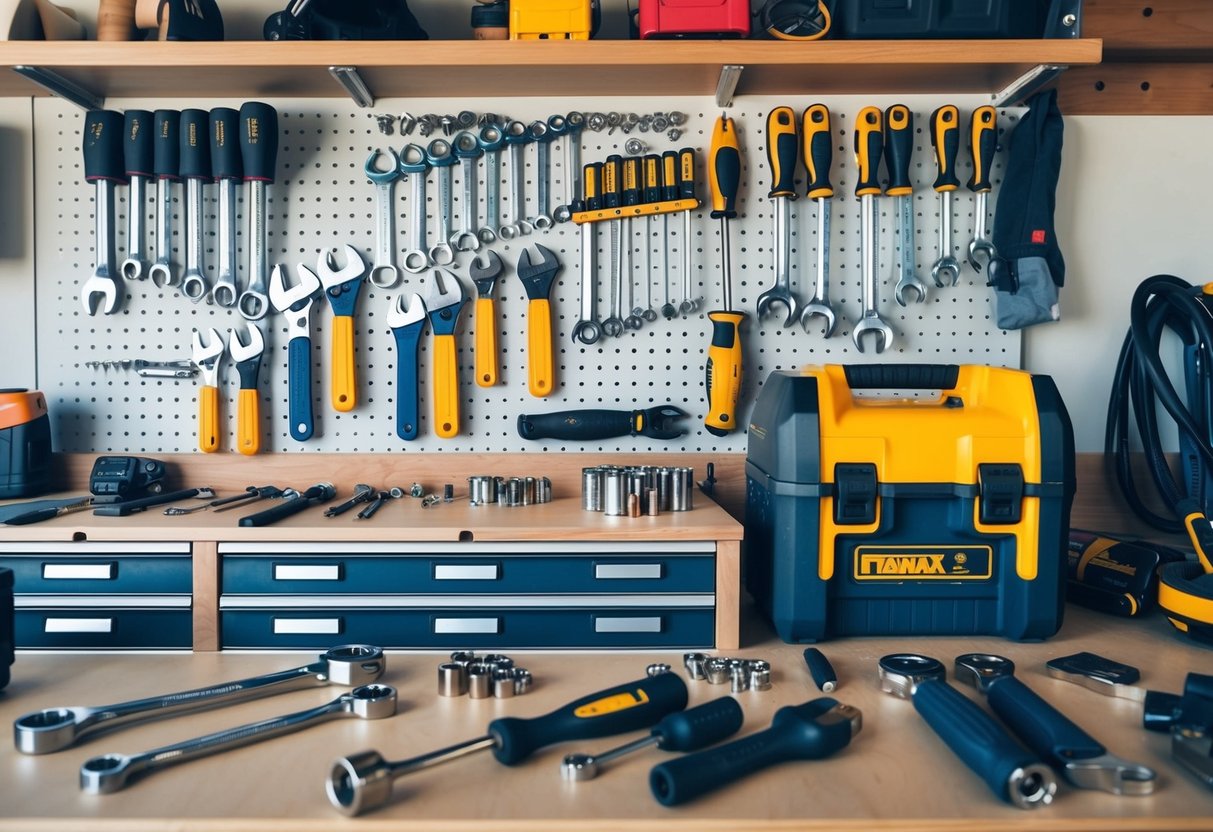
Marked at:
<point>588,425</point>
<point>821,669</point>
<point>128,507</point>
<point>293,503</point>
<point>115,478</point>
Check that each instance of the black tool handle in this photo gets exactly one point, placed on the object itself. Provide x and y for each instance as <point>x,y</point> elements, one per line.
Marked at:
<point>782,152</point>
<point>818,151</point>
<point>166,147</point>
<point>820,669</point>
<point>945,139</point>
<point>591,181</point>
<point>195,145</point>
<point>225,144</point>
<point>137,133</point>
<point>35,516</point>
<point>290,506</point>
<point>128,507</point>
<point>103,146</point>
<point>577,425</point>
<point>699,727</point>
<point>259,141</point>
<point>1041,727</point>
<point>902,376</point>
<point>795,734</point>
<point>899,146</point>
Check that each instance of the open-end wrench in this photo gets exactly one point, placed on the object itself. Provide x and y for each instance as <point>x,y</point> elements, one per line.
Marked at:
<point>443,302</point>
<point>569,127</point>
<point>295,304</point>
<point>1078,756</point>
<point>781,155</point>
<point>491,141</point>
<point>484,271</point>
<point>650,168</point>
<point>869,144</point>
<point>103,167</point>
<point>413,162</point>
<point>227,170</point>
<point>467,150</point>
<point>196,171</point>
<point>542,135</point>
<point>945,139</point>
<point>516,137</point>
<point>587,330</point>
<point>686,190</point>
<point>166,156</point>
<point>110,773</point>
<point>983,136</point>
<point>537,270</point>
<point>385,274</point>
<point>612,327</point>
<point>54,729</point>
<point>259,155</point>
<point>138,154</point>
<point>406,319</point>
<point>441,157</point>
<point>818,157</point>
<point>341,287</point>
<point>899,146</point>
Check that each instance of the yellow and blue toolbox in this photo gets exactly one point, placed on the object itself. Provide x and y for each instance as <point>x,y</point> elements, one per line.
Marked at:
<point>942,514</point>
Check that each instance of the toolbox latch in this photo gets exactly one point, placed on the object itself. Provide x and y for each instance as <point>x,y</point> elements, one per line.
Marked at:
<point>1001,499</point>
<point>854,494</point>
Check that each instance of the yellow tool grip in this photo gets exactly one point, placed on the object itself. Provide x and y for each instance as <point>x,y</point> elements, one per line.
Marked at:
<point>248,422</point>
<point>945,139</point>
<point>818,151</point>
<point>486,342</point>
<point>781,152</point>
<point>345,386</point>
<point>983,137</point>
<point>446,387</point>
<point>869,146</point>
<point>723,372</point>
<point>208,419</point>
<point>541,372</point>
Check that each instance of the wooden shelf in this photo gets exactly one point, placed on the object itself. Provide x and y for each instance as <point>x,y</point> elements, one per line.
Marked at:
<point>505,68</point>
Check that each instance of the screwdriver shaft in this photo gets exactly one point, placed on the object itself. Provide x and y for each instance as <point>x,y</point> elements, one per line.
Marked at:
<point>400,768</point>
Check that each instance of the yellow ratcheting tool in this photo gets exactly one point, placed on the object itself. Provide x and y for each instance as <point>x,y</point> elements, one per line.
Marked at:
<point>341,288</point>
<point>248,364</point>
<point>207,356</point>
<point>443,303</point>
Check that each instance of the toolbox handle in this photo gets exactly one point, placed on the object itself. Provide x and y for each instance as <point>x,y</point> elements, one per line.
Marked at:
<point>902,376</point>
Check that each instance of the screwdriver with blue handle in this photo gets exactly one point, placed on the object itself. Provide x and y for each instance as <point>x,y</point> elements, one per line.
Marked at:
<point>363,781</point>
<point>723,371</point>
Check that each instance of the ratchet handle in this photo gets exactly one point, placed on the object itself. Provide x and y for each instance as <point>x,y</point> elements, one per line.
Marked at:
<point>102,147</point>
<point>166,149</point>
<point>486,342</point>
<point>869,146</point>
<point>577,425</point>
<point>345,381</point>
<point>982,135</point>
<point>945,139</point>
<point>195,144</point>
<point>618,710</point>
<point>781,152</point>
<point>446,387</point>
<point>248,424</point>
<point>299,372</point>
<point>797,732</point>
<point>899,145</point>
<point>972,734</point>
<point>818,151</point>
<point>208,419</point>
<point>258,141</point>
<point>541,370</point>
<point>137,132</point>
<point>1044,730</point>
<point>225,144</point>
<point>408,411</point>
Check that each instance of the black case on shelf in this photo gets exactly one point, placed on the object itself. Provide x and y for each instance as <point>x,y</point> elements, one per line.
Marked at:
<point>881,19</point>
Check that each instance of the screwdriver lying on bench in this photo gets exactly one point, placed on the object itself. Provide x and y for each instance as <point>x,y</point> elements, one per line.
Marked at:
<point>364,780</point>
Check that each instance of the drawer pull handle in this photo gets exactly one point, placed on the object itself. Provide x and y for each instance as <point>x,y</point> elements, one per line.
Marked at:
<point>307,572</point>
<point>650,624</point>
<point>78,625</point>
<point>462,626</point>
<point>467,572</point>
<point>307,626</point>
<point>79,571</point>
<point>627,571</point>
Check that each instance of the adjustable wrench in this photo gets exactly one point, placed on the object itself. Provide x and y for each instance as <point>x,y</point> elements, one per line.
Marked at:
<point>587,330</point>
<point>166,160</point>
<point>407,322</point>
<point>295,304</point>
<point>516,137</point>
<point>54,729</point>
<point>196,171</point>
<point>442,159</point>
<point>818,156</point>
<point>491,141</point>
<point>111,772</point>
<point>341,287</point>
<point>227,170</point>
<point>945,139</point>
<point>537,270</point>
<point>259,155</point>
<point>206,357</point>
<point>414,163</point>
<point>467,150</point>
<point>484,271</point>
<point>138,154</point>
<point>781,156</point>
<point>569,127</point>
<point>103,168</point>
<point>983,135</point>
<point>899,145</point>
<point>542,135</point>
<point>443,302</point>
<point>248,365</point>
<point>385,211</point>
<point>869,141</point>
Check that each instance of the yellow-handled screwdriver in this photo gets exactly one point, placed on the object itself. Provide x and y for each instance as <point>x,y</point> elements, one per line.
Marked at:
<point>723,371</point>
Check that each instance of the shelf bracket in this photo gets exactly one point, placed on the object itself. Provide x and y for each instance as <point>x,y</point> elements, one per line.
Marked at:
<point>1027,84</point>
<point>351,82</point>
<point>730,74</point>
<point>56,84</point>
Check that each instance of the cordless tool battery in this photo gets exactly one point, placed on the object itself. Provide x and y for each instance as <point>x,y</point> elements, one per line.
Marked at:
<point>25,443</point>
<point>941,514</point>
<point>550,19</point>
<point>694,18</point>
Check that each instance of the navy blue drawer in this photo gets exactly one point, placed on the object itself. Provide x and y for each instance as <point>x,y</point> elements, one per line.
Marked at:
<point>104,627</point>
<point>474,571</point>
<point>314,628</point>
<point>99,568</point>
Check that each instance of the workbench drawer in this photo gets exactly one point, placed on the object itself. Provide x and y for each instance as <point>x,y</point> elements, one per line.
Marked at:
<point>477,628</point>
<point>439,568</point>
<point>98,568</point>
<point>109,628</point>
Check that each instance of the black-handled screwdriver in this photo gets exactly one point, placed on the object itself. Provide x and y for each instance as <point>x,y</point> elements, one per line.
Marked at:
<point>810,731</point>
<point>363,781</point>
<point>688,730</point>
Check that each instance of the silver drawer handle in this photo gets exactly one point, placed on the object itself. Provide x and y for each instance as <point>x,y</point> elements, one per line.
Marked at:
<point>78,625</point>
<point>467,572</point>
<point>307,572</point>
<point>307,626</point>
<point>79,571</point>
<point>628,625</point>
<point>627,571</point>
<point>459,626</point>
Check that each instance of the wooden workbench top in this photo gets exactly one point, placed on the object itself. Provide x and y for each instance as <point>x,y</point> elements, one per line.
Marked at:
<point>895,774</point>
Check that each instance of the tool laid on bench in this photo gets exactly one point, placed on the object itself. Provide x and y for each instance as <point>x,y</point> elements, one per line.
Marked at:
<point>292,503</point>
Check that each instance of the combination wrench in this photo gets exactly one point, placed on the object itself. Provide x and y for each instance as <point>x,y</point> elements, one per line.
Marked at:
<point>945,139</point>
<point>259,155</point>
<point>138,154</point>
<point>818,156</point>
<point>110,773</point>
<point>165,164</point>
<point>569,127</point>
<point>516,136</point>
<point>413,162</point>
<point>54,729</point>
<point>385,274</point>
<point>441,157</point>
<point>543,136</point>
<point>630,194</point>
<point>686,190</point>
<point>103,168</point>
<point>491,141</point>
<point>467,150</point>
<point>983,134</point>
<point>781,157</point>
<point>196,171</point>
<point>899,146</point>
<point>587,330</point>
<point>869,145</point>
<point>227,170</point>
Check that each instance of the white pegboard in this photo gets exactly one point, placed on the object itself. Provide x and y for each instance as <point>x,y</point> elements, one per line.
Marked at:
<point>322,199</point>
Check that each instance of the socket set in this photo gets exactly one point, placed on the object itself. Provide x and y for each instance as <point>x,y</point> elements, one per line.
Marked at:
<point>635,491</point>
<point>489,676</point>
<point>509,491</point>
<point>740,674</point>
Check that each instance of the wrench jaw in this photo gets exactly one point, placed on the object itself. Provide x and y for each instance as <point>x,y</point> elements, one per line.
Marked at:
<point>776,297</point>
<point>817,309</point>
<point>101,293</point>
<point>873,324</point>
<point>916,286</point>
<point>161,274</point>
<point>946,272</point>
<point>983,249</point>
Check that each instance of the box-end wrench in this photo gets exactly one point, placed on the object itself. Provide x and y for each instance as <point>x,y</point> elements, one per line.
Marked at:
<point>227,169</point>
<point>54,729</point>
<point>983,136</point>
<point>945,139</point>
<point>899,146</point>
<point>413,162</point>
<point>196,171</point>
<point>818,157</point>
<point>543,136</point>
<point>110,773</point>
<point>442,159</point>
<point>869,145</point>
<point>103,167</point>
<point>781,158</point>
<point>137,153</point>
<point>259,154</point>
<point>686,190</point>
<point>491,141</point>
<point>384,274</point>
<point>1011,772</point>
<point>467,151</point>
<point>166,164</point>
<point>406,320</point>
<point>587,330</point>
<point>630,196</point>
<point>516,137</point>
<point>569,127</point>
